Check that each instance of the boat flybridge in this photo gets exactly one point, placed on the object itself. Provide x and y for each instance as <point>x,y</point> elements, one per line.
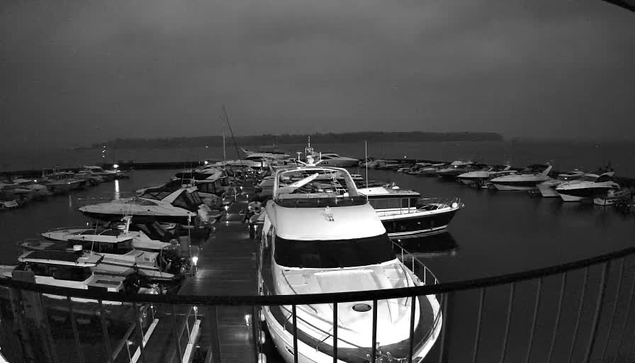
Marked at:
<point>321,236</point>
<point>548,188</point>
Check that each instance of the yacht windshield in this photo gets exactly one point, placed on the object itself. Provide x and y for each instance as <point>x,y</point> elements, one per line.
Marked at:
<point>334,253</point>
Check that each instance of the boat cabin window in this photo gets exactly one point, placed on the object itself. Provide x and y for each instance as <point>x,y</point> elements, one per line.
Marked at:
<point>189,201</point>
<point>69,273</point>
<point>333,253</point>
<point>589,177</point>
<point>603,178</point>
<point>156,194</point>
<point>120,248</point>
<point>388,203</point>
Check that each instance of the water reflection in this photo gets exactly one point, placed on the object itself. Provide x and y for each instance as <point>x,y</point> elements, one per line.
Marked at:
<point>117,193</point>
<point>442,243</point>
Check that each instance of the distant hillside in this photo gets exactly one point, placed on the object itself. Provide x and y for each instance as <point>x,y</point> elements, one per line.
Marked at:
<point>318,138</point>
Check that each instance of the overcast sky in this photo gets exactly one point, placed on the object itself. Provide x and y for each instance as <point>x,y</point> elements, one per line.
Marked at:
<point>80,71</point>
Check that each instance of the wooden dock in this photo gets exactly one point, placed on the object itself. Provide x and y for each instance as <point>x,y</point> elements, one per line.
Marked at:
<point>226,266</point>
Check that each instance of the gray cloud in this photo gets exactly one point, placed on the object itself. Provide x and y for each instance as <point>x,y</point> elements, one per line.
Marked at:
<point>93,70</point>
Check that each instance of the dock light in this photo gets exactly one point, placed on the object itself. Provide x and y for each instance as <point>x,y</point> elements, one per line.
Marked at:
<point>226,207</point>
<point>115,166</point>
<point>195,260</point>
<point>205,162</point>
<point>262,358</point>
<point>247,319</point>
<point>262,337</point>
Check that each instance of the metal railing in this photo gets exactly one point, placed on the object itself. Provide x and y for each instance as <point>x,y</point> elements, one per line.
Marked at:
<point>573,312</point>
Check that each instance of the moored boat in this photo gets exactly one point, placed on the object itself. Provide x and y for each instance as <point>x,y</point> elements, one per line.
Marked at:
<point>525,180</point>
<point>321,236</point>
<point>405,213</point>
<point>589,186</point>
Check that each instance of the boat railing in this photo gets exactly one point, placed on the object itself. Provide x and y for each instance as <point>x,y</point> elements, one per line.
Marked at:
<point>423,273</point>
<point>403,205</point>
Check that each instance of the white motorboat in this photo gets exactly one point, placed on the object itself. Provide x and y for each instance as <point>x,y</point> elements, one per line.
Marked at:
<point>525,180</point>
<point>431,170</point>
<point>36,190</point>
<point>116,233</point>
<point>266,154</point>
<point>456,168</point>
<point>548,188</point>
<point>182,206</point>
<point>73,270</point>
<point>63,182</point>
<point>119,256</point>
<point>589,186</point>
<point>405,213</point>
<point>333,159</point>
<point>480,177</point>
<point>321,236</point>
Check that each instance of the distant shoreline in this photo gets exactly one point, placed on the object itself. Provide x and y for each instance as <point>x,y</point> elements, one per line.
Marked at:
<point>272,140</point>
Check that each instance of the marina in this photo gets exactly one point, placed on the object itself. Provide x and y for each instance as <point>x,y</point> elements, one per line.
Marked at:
<point>227,263</point>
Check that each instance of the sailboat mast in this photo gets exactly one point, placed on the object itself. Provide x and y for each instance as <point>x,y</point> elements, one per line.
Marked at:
<point>366,160</point>
<point>224,145</point>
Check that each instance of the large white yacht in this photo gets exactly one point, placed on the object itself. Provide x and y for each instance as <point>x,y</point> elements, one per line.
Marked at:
<point>333,159</point>
<point>589,186</point>
<point>548,188</point>
<point>480,177</point>
<point>405,213</point>
<point>183,206</point>
<point>526,179</point>
<point>321,236</point>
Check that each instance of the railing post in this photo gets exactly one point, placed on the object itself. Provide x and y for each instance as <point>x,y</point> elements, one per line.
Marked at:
<point>626,319</point>
<point>335,324</point>
<point>598,311</point>
<point>444,327</point>
<point>510,305</point>
<point>617,296</point>
<point>414,300</point>
<point>137,313</point>
<point>295,333</point>
<point>580,307</point>
<point>478,323</point>
<point>214,337</point>
<point>104,329</point>
<point>554,335</point>
<point>175,334</point>
<point>374,345</point>
<point>78,344</point>
<point>534,318</point>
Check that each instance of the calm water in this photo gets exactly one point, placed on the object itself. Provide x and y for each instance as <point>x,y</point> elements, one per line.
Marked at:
<point>563,155</point>
<point>496,233</point>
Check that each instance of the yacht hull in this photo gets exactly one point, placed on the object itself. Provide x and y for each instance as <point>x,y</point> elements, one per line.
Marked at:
<point>312,350</point>
<point>579,194</point>
<point>417,223</point>
<point>140,218</point>
<point>515,186</point>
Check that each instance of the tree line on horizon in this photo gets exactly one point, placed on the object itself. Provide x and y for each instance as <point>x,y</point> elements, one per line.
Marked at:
<point>318,138</point>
